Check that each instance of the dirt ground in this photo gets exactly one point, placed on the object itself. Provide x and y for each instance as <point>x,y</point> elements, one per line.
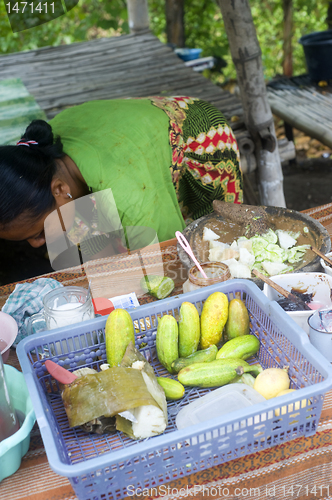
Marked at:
<point>307,183</point>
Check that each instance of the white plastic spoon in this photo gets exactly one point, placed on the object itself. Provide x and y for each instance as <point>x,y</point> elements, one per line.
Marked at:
<point>186,247</point>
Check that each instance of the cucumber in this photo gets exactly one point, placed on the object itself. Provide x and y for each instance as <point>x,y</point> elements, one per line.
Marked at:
<point>239,347</point>
<point>157,286</point>
<point>213,319</point>
<point>173,389</point>
<point>119,332</point>
<point>213,374</point>
<point>189,329</point>
<point>238,322</point>
<point>206,355</point>
<point>167,339</point>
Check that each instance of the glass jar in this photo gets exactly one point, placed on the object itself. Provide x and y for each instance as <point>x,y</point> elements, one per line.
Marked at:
<point>63,306</point>
<point>216,272</point>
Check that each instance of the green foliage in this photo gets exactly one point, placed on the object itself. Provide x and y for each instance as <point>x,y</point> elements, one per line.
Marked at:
<point>203,28</point>
<point>89,19</point>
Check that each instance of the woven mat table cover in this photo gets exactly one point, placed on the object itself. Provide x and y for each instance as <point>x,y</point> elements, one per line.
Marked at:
<point>301,468</point>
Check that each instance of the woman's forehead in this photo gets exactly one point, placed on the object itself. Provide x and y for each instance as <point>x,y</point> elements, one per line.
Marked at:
<point>22,228</point>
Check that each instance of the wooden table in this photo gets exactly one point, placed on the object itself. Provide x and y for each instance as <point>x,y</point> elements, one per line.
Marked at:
<point>301,468</point>
<point>303,105</point>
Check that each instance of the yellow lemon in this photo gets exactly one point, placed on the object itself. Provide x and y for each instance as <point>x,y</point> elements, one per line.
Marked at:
<point>270,382</point>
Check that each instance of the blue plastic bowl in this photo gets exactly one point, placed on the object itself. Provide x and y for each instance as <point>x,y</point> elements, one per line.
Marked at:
<point>188,54</point>
<point>16,446</point>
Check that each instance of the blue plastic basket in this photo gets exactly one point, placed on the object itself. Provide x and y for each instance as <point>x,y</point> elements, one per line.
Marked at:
<point>109,467</point>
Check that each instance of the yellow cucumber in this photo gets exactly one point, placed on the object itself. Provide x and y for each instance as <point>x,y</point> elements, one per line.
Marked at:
<point>172,388</point>
<point>204,356</point>
<point>213,374</point>
<point>238,322</point>
<point>189,329</point>
<point>167,339</point>
<point>213,318</point>
<point>239,347</point>
<point>119,332</point>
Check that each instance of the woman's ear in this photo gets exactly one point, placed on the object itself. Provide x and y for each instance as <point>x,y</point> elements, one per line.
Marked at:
<point>60,190</point>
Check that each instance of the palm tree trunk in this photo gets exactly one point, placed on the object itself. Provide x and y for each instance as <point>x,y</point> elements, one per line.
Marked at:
<point>246,55</point>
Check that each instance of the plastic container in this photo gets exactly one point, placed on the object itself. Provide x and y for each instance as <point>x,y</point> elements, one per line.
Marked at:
<point>9,422</point>
<point>317,49</point>
<point>188,54</point>
<point>100,467</point>
<point>320,334</point>
<point>327,268</point>
<point>8,334</point>
<point>16,446</point>
<point>219,402</point>
<point>217,272</point>
<point>317,283</point>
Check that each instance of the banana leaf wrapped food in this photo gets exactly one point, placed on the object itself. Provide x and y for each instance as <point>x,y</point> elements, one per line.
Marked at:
<point>150,419</point>
<point>123,390</point>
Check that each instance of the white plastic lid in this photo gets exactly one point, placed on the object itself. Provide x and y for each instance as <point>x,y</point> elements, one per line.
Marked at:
<point>228,398</point>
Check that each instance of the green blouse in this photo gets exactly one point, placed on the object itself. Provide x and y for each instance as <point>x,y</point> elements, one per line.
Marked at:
<point>123,144</point>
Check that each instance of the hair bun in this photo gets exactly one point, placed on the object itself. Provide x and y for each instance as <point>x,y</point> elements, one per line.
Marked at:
<point>39,131</point>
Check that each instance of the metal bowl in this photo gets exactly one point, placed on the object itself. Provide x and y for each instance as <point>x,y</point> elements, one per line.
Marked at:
<point>317,236</point>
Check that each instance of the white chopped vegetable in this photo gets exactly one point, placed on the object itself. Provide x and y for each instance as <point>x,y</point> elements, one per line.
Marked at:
<point>209,235</point>
<point>305,229</point>
<point>150,421</point>
<point>272,253</point>
<point>243,242</point>
<point>230,253</point>
<point>285,239</point>
<point>218,244</point>
<point>239,270</point>
<point>274,268</point>
<point>215,254</point>
<point>220,254</point>
<point>246,257</point>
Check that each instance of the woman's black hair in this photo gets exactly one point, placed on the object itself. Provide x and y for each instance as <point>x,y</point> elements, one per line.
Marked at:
<point>26,173</point>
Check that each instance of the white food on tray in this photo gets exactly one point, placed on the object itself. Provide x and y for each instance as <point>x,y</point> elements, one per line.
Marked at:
<point>274,252</point>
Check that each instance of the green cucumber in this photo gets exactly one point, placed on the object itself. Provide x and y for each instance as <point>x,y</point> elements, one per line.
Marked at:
<point>213,374</point>
<point>157,286</point>
<point>189,329</point>
<point>205,355</point>
<point>239,347</point>
<point>172,388</point>
<point>119,332</point>
<point>167,339</point>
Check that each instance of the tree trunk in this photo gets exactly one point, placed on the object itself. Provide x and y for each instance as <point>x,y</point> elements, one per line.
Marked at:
<point>246,55</point>
<point>175,22</point>
<point>288,33</point>
<point>329,16</point>
<point>138,16</point>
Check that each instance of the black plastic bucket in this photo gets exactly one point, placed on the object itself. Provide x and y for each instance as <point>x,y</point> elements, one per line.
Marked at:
<point>318,54</point>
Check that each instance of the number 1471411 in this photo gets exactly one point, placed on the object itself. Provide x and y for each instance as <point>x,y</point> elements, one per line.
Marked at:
<point>30,7</point>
